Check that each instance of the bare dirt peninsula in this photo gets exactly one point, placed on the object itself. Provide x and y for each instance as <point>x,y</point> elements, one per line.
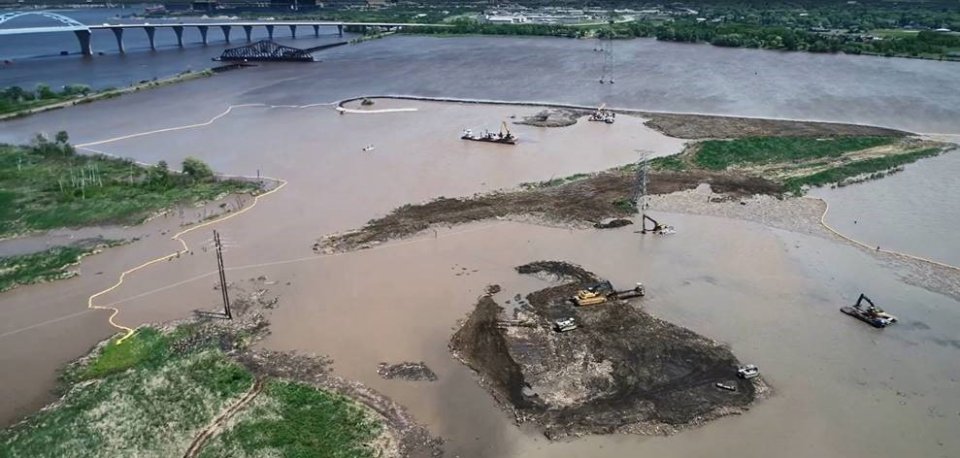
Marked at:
<point>620,371</point>
<point>775,166</point>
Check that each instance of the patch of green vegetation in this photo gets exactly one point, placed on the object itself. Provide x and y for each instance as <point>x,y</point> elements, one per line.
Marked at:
<point>668,163</point>
<point>139,399</point>
<point>38,267</point>
<point>626,205</point>
<point>47,185</point>
<point>555,181</point>
<point>292,419</point>
<point>866,166</point>
<point>147,346</point>
<point>720,154</point>
<point>153,393</point>
<point>15,98</point>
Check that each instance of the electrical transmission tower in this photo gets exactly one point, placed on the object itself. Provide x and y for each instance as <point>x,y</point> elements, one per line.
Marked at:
<point>640,186</point>
<point>606,49</point>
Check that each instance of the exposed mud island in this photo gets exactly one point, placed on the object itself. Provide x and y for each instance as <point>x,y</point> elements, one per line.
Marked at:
<point>603,367</point>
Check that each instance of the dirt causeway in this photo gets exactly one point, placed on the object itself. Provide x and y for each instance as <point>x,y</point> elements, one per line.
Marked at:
<point>620,371</point>
<point>587,200</point>
<point>696,127</point>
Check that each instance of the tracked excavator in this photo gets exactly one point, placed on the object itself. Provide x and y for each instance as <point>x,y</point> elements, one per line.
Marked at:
<point>870,314</point>
<point>603,292</point>
<point>654,227</point>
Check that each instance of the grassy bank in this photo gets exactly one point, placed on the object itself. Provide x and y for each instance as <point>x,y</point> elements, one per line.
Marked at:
<point>156,391</point>
<point>46,186</point>
<point>721,154</point>
<point>864,167</point>
<point>799,162</point>
<point>17,102</point>
<point>43,266</point>
<point>292,419</point>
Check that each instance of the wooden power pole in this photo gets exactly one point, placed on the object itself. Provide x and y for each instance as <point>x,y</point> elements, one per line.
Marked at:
<point>223,276</point>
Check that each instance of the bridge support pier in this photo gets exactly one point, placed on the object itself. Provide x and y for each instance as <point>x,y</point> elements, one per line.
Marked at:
<point>118,32</point>
<point>226,32</point>
<point>203,33</point>
<point>248,29</point>
<point>340,30</point>
<point>178,29</point>
<point>293,31</point>
<point>316,31</point>
<point>270,32</point>
<point>150,31</point>
<point>84,37</point>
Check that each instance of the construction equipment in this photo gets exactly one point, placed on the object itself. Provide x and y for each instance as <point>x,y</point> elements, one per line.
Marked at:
<point>564,325</point>
<point>871,314</point>
<point>503,137</point>
<point>656,228</point>
<point>603,115</point>
<point>603,291</point>
<point>748,372</point>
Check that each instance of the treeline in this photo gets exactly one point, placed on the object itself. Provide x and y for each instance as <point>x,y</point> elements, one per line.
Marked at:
<point>925,43</point>
<point>16,98</point>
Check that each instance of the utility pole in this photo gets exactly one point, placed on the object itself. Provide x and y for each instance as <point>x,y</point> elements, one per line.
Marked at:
<point>223,276</point>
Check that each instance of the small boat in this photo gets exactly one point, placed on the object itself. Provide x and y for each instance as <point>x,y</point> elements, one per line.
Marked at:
<point>504,136</point>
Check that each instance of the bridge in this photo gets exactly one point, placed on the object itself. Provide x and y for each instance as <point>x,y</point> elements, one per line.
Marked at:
<point>84,32</point>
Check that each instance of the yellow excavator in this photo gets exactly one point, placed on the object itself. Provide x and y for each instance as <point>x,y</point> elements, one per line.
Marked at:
<point>603,292</point>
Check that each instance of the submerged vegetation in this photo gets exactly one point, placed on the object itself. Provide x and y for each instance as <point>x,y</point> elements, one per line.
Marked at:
<point>47,185</point>
<point>43,266</point>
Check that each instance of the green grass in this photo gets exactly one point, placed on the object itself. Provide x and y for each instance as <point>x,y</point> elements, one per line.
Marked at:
<point>295,420</point>
<point>720,154</point>
<point>866,166</point>
<point>48,186</point>
<point>555,181</point>
<point>668,163</point>
<point>153,393</point>
<point>38,267</point>
<point>147,347</point>
<point>139,399</point>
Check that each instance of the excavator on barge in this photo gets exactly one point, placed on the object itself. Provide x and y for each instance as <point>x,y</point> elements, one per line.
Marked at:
<point>503,137</point>
<point>870,314</point>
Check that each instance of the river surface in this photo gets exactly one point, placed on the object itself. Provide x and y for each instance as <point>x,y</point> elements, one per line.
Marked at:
<point>841,388</point>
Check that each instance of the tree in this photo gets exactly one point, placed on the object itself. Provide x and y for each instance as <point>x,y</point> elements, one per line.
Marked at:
<point>62,137</point>
<point>197,169</point>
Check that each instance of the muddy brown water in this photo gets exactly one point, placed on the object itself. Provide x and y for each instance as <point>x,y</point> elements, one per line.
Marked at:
<point>841,388</point>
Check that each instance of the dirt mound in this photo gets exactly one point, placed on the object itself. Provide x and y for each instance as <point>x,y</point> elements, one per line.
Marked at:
<point>613,223</point>
<point>414,372</point>
<point>704,126</point>
<point>621,370</point>
<point>552,118</point>
<point>558,270</point>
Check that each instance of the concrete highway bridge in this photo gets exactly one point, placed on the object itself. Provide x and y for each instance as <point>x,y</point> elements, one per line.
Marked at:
<point>84,31</point>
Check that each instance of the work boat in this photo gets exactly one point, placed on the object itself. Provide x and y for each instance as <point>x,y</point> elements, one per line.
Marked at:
<point>504,136</point>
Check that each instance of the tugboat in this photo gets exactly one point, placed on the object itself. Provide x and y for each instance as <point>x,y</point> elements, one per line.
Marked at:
<point>504,136</point>
<point>871,314</point>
